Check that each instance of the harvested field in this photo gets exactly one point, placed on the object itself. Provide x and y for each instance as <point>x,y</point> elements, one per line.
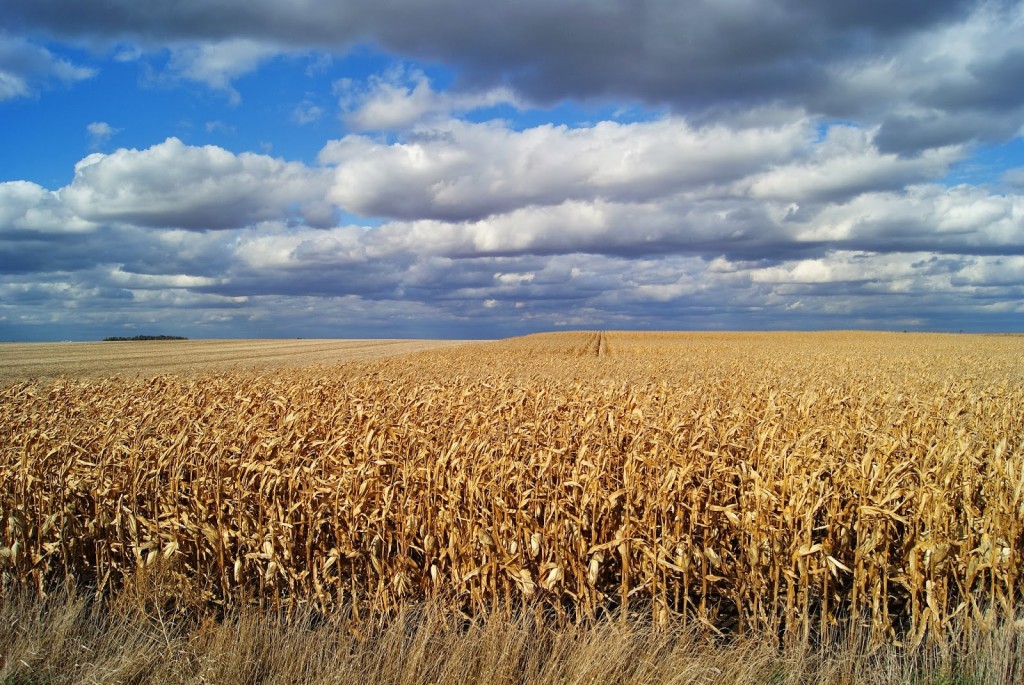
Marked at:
<point>28,361</point>
<point>777,483</point>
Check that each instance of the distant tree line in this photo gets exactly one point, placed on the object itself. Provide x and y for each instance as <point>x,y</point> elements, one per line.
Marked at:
<point>145,337</point>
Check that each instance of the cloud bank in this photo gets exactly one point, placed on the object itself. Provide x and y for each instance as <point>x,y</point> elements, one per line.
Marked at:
<point>793,165</point>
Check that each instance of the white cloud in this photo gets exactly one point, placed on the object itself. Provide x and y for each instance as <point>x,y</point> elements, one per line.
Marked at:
<point>127,279</point>
<point>127,52</point>
<point>217,126</point>
<point>514,278</point>
<point>992,271</point>
<point>28,207</point>
<point>99,133</point>
<point>25,67</point>
<point>12,85</point>
<point>460,170</point>
<point>176,185</point>
<point>811,271</point>
<point>306,112</point>
<point>304,249</point>
<point>403,97</point>
<point>845,164</point>
<point>217,64</point>
<point>922,217</point>
<point>607,224</point>
<point>1014,177</point>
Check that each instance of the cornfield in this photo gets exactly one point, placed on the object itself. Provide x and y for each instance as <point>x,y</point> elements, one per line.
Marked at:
<point>786,483</point>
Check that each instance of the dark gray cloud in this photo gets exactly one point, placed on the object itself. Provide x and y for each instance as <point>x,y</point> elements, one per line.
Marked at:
<point>691,55</point>
<point>931,74</point>
<point>911,133</point>
<point>979,100</point>
<point>992,82</point>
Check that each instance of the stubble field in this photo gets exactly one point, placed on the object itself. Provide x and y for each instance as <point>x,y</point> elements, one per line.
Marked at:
<point>783,484</point>
<point>133,359</point>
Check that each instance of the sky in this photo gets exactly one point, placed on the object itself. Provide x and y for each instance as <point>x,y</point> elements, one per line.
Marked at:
<point>455,169</point>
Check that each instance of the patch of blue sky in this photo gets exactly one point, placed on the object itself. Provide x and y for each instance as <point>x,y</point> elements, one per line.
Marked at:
<point>569,113</point>
<point>823,126</point>
<point>987,165</point>
<point>286,111</point>
<point>288,108</point>
<point>43,137</point>
<point>349,219</point>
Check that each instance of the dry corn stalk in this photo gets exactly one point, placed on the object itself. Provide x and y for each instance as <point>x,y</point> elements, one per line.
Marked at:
<point>746,481</point>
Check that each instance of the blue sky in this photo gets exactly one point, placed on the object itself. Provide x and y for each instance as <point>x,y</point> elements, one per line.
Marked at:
<point>449,169</point>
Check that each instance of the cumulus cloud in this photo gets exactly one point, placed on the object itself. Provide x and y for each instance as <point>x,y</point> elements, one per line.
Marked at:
<point>606,224</point>
<point>845,164</point>
<point>961,220</point>
<point>28,208</point>
<point>175,185</point>
<point>461,171</point>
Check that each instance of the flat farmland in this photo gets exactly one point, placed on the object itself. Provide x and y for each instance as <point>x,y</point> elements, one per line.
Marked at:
<point>41,361</point>
<point>774,483</point>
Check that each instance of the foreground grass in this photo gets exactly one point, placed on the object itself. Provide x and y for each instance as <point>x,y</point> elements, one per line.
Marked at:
<point>69,639</point>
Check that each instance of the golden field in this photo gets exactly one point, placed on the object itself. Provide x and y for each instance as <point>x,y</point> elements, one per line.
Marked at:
<point>743,482</point>
<point>47,361</point>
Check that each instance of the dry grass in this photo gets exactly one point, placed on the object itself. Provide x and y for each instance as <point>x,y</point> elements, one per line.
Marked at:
<point>785,485</point>
<point>70,639</point>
